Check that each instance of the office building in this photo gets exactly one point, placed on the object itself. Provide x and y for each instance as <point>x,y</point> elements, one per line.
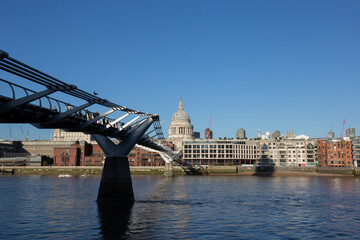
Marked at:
<point>220,152</point>
<point>331,134</point>
<point>351,133</point>
<point>288,152</point>
<point>208,133</point>
<point>196,135</point>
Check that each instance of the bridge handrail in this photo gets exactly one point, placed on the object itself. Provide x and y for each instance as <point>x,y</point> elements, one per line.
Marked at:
<point>18,68</point>
<point>25,71</point>
<point>26,90</point>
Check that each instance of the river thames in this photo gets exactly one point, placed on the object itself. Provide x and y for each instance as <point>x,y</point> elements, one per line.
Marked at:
<point>183,207</point>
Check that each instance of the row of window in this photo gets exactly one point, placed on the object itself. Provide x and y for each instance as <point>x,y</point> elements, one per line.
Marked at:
<point>96,160</point>
<point>338,162</point>
<point>205,156</point>
<point>220,151</point>
<point>220,146</point>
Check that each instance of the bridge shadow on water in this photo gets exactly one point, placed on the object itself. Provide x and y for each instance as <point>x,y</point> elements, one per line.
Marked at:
<point>264,171</point>
<point>114,217</point>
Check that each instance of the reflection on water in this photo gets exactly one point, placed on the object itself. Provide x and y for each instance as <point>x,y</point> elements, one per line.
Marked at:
<point>184,207</point>
<point>114,218</point>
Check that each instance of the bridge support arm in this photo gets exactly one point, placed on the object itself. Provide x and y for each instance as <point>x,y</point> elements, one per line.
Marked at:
<point>63,115</point>
<point>117,120</point>
<point>116,181</point>
<point>89,122</point>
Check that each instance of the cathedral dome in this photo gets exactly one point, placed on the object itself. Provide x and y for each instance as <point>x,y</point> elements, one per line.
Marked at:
<point>180,128</point>
<point>180,116</point>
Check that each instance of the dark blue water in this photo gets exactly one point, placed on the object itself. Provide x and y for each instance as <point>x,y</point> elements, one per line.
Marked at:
<point>185,207</point>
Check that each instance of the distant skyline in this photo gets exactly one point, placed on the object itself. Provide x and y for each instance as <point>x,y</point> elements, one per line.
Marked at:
<point>273,65</point>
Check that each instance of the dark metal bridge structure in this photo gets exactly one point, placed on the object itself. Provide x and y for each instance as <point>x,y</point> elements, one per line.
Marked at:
<point>115,136</point>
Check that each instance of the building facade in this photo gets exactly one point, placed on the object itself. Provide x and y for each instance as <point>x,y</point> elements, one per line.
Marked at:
<point>331,134</point>
<point>334,153</point>
<point>288,153</point>
<point>276,135</point>
<point>280,153</point>
<point>196,135</point>
<point>140,157</point>
<point>44,147</point>
<point>67,156</point>
<point>351,133</point>
<point>10,149</point>
<point>356,152</point>
<point>220,152</point>
<point>61,135</point>
<point>87,154</point>
<point>208,133</point>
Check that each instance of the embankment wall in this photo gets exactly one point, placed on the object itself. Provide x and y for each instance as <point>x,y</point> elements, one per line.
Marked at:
<point>210,170</point>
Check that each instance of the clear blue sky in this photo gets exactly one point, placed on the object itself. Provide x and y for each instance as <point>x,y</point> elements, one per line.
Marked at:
<point>273,65</point>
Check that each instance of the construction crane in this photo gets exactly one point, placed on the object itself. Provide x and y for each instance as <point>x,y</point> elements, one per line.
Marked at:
<point>330,133</point>
<point>25,136</point>
<point>11,136</point>
<point>342,130</point>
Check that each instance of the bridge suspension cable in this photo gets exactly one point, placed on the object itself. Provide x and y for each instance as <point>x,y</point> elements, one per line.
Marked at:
<point>95,123</point>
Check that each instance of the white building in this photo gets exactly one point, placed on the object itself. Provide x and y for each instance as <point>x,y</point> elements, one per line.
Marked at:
<point>180,128</point>
<point>288,152</point>
<point>221,152</point>
<point>61,135</point>
<point>266,136</point>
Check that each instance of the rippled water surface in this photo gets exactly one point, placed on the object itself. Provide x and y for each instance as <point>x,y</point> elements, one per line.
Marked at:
<point>184,207</point>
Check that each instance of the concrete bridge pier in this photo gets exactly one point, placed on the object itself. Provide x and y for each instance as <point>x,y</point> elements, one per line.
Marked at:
<point>116,181</point>
<point>168,170</point>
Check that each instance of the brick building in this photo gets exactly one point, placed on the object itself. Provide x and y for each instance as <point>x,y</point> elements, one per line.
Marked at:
<point>139,157</point>
<point>88,154</point>
<point>334,153</point>
<point>67,156</point>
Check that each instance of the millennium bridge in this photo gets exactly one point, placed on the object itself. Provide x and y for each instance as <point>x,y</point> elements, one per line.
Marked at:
<point>52,103</point>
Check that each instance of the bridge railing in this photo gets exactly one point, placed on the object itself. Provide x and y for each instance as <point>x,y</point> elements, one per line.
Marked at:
<point>47,102</point>
<point>50,103</point>
<point>52,85</point>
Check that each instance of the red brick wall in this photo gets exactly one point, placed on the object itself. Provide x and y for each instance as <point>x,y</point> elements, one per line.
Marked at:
<point>139,157</point>
<point>334,153</point>
<point>67,156</point>
<point>92,155</point>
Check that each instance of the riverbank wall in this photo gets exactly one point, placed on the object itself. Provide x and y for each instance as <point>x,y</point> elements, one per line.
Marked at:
<point>209,170</point>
